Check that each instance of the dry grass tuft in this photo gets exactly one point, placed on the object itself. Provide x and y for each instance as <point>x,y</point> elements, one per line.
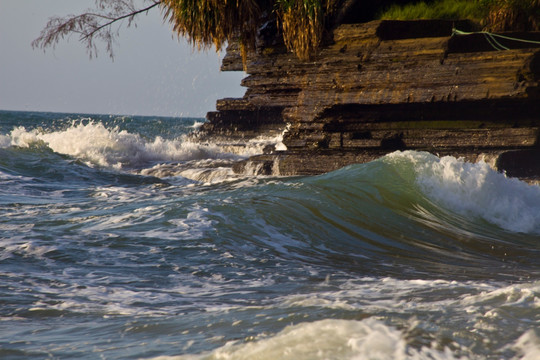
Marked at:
<point>302,23</point>
<point>213,22</point>
<point>513,15</point>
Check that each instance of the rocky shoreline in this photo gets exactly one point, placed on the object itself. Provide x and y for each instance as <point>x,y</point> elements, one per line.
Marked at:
<point>383,86</point>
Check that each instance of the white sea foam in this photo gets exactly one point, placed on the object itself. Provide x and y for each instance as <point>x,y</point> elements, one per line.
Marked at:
<point>528,346</point>
<point>98,145</point>
<point>193,226</point>
<point>5,141</point>
<point>209,175</point>
<point>219,168</point>
<point>107,300</point>
<point>373,339</point>
<point>526,295</point>
<point>326,339</point>
<point>374,295</point>
<point>316,300</point>
<point>22,247</point>
<point>197,124</point>
<point>253,146</point>
<point>475,189</point>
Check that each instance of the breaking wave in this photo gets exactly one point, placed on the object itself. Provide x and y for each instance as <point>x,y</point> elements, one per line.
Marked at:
<point>98,144</point>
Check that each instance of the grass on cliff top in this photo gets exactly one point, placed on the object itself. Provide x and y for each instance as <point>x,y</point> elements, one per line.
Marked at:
<point>445,9</point>
<point>494,15</point>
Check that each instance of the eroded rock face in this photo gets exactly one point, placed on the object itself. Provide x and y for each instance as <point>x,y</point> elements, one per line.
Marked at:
<point>383,86</point>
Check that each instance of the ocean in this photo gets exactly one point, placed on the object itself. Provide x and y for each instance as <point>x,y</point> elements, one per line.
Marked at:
<point>123,238</point>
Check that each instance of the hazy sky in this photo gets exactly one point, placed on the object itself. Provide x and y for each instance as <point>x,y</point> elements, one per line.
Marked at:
<point>153,72</point>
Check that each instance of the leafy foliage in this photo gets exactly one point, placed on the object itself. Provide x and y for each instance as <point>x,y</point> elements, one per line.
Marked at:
<point>207,22</point>
<point>302,22</point>
<point>203,22</point>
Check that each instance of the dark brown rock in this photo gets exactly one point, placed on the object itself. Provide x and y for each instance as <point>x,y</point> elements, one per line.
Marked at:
<point>384,86</point>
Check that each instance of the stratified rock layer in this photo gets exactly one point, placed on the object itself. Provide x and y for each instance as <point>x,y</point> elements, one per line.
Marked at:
<point>389,85</point>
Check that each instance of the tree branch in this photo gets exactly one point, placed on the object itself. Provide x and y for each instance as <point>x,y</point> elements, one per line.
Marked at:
<point>95,24</point>
<point>113,20</point>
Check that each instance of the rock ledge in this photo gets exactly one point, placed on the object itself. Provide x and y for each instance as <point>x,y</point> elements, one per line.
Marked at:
<point>383,86</point>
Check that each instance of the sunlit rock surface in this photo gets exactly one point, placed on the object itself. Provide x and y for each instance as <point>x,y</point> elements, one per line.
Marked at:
<point>383,86</point>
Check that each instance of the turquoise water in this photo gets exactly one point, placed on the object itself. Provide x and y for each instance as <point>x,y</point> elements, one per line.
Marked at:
<point>121,238</point>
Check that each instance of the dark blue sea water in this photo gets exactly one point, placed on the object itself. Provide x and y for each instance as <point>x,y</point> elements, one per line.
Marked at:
<point>121,238</point>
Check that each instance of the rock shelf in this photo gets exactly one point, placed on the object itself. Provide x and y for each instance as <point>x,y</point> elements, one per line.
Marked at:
<point>383,86</point>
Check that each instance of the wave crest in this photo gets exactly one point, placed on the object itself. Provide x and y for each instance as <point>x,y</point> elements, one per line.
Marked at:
<point>327,339</point>
<point>474,189</point>
<point>96,144</point>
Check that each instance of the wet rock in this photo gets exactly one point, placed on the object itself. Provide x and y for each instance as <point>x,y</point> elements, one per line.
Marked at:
<point>383,86</point>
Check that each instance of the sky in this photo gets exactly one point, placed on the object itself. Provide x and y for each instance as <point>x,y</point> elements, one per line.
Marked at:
<point>153,72</point>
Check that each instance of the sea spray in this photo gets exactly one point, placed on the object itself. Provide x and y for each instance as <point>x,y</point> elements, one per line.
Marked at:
<point>97,144</point>
<point>324,339</point>
<point>139,261</point>
<point>475,189</point>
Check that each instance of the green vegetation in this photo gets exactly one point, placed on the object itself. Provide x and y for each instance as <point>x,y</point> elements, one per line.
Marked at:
<point>211,22</point>
<point>445,9</point>
<point>203,22</point>
<point>494,15</point>
<point>301,23</point>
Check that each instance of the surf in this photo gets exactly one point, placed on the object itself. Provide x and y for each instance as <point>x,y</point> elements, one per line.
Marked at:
<point>144,236</point>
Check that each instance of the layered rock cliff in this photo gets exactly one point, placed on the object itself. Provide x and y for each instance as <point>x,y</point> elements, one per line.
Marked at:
<point>383,86</point>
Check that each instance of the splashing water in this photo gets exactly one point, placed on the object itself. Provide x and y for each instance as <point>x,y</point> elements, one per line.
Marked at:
<point>122,237</point>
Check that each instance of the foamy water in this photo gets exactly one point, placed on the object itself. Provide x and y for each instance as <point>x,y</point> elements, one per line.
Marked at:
<point>98,145</point>
<point>475,189</point>
<point>123,238</point>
